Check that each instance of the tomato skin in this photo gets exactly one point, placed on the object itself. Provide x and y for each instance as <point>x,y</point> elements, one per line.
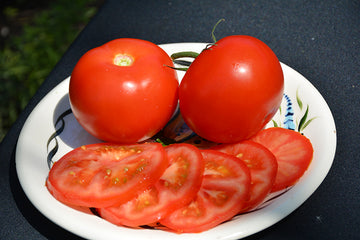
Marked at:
<point>176,188</point>
<point>124,104</point>
<point>223,193</point>
<point>263,168</point>
<point>232,89</point>
<point>292,150</point>
<point>104,174</point>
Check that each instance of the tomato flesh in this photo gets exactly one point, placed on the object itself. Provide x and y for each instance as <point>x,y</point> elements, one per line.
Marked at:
<point>223,193</point>
<point>263,168</point>
<point>176,188</point>
<point>292,150</point>
<point>101,175</point>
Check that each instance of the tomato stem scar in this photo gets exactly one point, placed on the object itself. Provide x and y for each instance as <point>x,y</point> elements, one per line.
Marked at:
<point>123,60</point>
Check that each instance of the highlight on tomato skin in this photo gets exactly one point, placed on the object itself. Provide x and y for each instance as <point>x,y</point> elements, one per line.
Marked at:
<point>232,89</point>
<point>124,91</point>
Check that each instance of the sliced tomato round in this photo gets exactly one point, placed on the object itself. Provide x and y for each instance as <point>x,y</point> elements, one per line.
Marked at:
<point>262,164</point>
<point>223,193</point>
<point>292,150</point>
<point>176,188</point>
<point>102,175</point>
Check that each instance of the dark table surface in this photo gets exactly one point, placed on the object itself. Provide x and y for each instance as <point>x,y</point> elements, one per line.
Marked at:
<point>320,39</point>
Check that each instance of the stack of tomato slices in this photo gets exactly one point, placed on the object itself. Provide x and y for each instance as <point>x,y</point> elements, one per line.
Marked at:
<point>179,187</point>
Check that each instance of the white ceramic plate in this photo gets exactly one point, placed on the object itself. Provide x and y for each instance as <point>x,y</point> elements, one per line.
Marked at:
<point>35,144</point>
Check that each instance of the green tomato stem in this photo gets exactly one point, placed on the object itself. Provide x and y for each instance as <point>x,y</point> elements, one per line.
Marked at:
<point>213,30</point>
<point>184,54</point>
<point>178,68</point>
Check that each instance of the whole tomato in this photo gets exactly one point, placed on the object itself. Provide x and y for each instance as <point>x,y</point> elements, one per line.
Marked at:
<point>232,89</point>
<point>124,91</point>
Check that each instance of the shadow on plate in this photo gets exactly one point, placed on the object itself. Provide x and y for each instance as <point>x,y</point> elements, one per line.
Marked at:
<point>39,222</point>
<point>68,130</point>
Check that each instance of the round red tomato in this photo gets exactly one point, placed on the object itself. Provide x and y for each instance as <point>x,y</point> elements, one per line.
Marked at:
<point>232,89</point>
<point>124,91</point>
<point>102,175</point>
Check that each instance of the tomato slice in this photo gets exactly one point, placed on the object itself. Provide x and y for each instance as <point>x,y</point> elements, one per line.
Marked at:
<point>262,164</point>
<point>223,193</point>
<point>101,175</point>
<point>292,150</point>
<point>176,188</point>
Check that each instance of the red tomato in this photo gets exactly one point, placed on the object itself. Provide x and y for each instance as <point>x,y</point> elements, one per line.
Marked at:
<point>124,91</point>
<point>292,150</point>
<point>223,193</point>
<point>102,175</point>
<point>262,164</point>
<point>176,188</point>
<point>232,89</point>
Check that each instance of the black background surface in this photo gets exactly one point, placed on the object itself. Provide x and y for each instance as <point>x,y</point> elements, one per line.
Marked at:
<point>319,39</point>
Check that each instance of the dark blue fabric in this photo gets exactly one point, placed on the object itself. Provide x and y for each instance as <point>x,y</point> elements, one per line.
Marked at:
<point>320,39</point>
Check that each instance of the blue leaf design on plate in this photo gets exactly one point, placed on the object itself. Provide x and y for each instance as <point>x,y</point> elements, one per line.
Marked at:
<point>289,114</point>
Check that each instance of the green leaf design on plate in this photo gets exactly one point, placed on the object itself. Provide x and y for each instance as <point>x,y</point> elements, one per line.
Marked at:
<point>275,123</point>
<point>307,123</point>
<point>299,102</point>
<point>303,119</point>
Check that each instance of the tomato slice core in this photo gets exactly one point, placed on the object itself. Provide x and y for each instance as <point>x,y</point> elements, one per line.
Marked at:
<point>292,150</point>
<point>262,165</point>
<point>176,188</point>
<point>223,193</point>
